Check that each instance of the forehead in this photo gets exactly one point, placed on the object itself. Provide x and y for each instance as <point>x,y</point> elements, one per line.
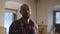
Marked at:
<point>24,6</point>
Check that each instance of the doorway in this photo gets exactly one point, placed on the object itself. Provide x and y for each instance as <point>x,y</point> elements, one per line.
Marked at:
<point>56,21</point>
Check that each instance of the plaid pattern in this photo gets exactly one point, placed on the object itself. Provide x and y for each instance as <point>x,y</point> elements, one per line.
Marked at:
<point>20,27</point>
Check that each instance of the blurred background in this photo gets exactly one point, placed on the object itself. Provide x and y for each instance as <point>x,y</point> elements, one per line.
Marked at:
<point>46,13</point>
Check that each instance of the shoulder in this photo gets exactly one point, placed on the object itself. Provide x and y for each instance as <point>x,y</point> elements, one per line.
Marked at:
<point>35,27</point>
<point>35,24</point>
<point>16,22</point>
<point>31,22</point>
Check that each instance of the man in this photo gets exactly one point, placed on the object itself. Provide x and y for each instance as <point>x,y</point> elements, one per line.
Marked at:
<point>24,25</point>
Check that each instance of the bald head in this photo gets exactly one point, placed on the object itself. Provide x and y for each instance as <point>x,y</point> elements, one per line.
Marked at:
<point>25,11</point>
<point>25,6</point>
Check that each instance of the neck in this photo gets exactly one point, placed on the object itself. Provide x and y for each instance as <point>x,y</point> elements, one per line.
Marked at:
<point>26,20</point>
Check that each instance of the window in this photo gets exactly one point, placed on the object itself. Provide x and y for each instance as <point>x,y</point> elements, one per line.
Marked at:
<point>56,17</point>
<point>8,19</point>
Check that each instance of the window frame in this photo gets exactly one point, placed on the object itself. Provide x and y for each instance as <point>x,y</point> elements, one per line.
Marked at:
<point>54,16</point>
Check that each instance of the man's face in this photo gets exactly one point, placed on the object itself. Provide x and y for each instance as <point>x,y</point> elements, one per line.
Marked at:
<point>25,12</point>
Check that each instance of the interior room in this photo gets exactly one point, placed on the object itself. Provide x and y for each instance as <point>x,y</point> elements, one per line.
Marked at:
<point>46,13</point>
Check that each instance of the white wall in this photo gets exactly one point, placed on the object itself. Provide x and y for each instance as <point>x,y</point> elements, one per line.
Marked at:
<point>42,10</point>
<point>1,19</point>
<point>32,3</point>
<point>45,10</point>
